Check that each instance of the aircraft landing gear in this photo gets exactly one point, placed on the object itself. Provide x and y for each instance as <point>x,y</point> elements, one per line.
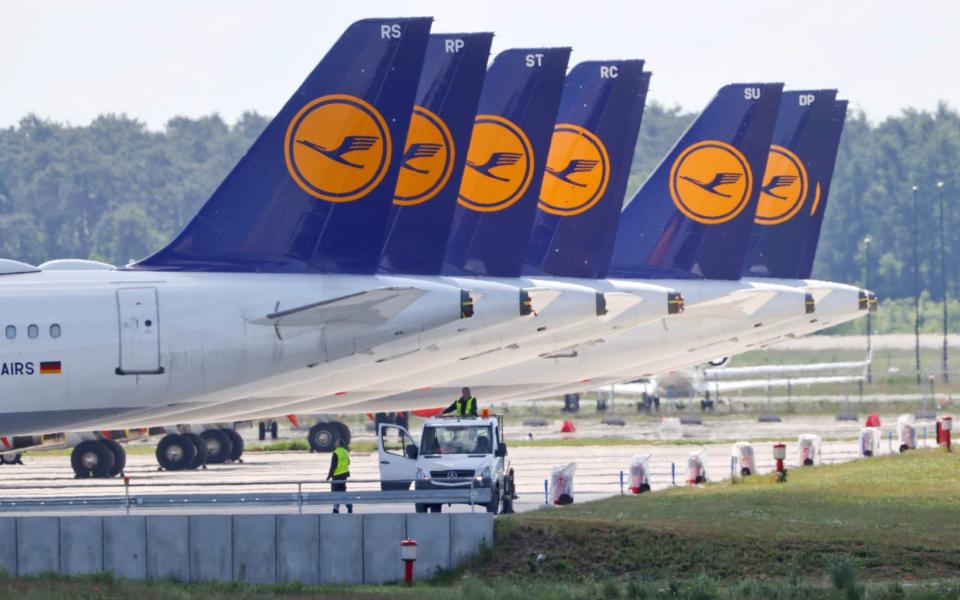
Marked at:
<point>265,426</point>
<point>175,452</point>
<point>323,436</point>
<point>219,446</point>
<point>119,457</point>
<point>92,459</point>
<point>11,459</point>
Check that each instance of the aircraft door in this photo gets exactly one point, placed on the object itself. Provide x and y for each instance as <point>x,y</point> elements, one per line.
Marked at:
<point>397,452</point>
<point>139,331</point>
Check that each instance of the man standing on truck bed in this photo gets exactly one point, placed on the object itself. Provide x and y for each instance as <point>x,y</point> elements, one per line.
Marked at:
<point>339,472</point>
<point>464,406</point>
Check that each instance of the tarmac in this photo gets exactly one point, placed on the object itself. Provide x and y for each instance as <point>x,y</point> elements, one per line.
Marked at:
<point>598,468</point>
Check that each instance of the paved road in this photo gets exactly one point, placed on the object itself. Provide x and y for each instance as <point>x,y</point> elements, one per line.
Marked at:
<point>597,474</point>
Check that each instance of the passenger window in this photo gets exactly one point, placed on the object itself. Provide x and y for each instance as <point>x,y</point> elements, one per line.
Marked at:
<point>33,331</point>
<point>54,331</point>
<point>11,332</point>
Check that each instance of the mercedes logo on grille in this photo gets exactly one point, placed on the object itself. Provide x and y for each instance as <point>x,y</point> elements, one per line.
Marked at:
<point>452,475</point>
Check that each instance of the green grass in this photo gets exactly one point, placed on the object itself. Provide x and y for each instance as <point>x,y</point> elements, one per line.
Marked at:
<point>893,517</point>
<point>875,528</point>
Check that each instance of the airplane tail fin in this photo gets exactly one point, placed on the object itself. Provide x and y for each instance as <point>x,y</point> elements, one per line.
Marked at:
<point>313,192</point>
<point>825,174</point>
<point>790,184</point>
<point>587,169</point>
<point>692,217</point>
<point>435,153</point>
<point>505,161</point>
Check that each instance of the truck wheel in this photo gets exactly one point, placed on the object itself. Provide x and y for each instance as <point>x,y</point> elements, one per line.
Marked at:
<point>494,505</point>
<point>200,445</point>
<point>507,506</point>
<point>175,452</point>
<point>238,445</point>
<point>421,508</point>
<point>91,459</point>
<point>323,437</point>
<point>262,431</point>
<point>219,446</point>
<point>119,456</point>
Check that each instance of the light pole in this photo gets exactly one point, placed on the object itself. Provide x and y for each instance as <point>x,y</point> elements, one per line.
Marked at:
<point>943,280</point>
<point>916,289</point>
<point>866,285</point>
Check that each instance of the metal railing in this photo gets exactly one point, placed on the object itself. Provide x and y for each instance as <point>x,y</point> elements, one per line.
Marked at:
<point>132,495</point>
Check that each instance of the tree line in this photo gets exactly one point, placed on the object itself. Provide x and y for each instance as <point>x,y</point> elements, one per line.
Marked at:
<point>115,191</point>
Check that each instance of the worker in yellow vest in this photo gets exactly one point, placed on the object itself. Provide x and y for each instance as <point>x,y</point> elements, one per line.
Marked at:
<point>464,406</point>
<point>339,472</point>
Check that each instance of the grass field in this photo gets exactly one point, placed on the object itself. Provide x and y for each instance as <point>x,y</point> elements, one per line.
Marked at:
<point>893,518</point>
<point>876,528</point>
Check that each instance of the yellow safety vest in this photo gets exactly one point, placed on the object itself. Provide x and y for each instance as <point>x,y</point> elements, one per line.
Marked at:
<point>343,461</point>
<point>464,408</point>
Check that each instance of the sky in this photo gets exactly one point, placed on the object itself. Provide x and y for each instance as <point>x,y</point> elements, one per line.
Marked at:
<point>71,60</point>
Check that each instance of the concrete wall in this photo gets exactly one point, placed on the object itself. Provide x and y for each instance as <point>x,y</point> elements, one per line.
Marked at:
<point>253,548</point>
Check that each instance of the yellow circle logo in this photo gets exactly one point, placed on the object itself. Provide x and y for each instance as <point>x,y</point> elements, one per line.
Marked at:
<point>784,187</point>
<point>577,174</point>
<point>499,165</point>
<point>427,160</point>
<point>337,148</point>
<point>710,182</point>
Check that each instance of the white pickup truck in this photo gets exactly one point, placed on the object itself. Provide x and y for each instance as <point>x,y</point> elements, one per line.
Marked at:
<point>453,452</point>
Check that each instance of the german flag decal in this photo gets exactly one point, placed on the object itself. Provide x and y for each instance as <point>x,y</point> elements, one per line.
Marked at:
<point>50,367</point>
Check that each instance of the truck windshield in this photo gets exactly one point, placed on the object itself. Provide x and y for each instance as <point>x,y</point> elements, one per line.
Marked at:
<point>457,439</point>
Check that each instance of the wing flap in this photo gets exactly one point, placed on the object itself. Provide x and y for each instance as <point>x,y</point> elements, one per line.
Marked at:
<point>370,306</point>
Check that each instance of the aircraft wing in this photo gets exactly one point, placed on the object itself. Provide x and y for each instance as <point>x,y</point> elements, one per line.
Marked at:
<point>371,306</point>
<point>732,306</point>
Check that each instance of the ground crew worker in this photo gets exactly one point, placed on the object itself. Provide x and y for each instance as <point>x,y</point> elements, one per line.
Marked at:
<point>339,472</point>
<point>464,406</point>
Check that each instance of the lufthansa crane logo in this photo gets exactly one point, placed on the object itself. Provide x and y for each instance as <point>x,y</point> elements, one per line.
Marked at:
<point>784,187</point>
<point>710,182</point>
<point>499,165</point>
<point>427,159</point>
<point>337,148</point>
<point>577,174</point>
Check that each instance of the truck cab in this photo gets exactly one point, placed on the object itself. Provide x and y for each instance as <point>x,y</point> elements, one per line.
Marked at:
<point>452,452</point>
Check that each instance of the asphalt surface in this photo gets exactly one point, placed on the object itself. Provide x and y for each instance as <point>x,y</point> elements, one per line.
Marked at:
<point>598,470</point>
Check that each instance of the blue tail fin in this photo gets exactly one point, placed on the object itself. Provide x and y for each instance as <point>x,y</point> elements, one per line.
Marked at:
<point>825,175</point>
<point>587,169</point>
<point>692,217</point>
<point>505,161</point>
<point>436,150</point>
<point>313,192</point>
<point>782,222</point>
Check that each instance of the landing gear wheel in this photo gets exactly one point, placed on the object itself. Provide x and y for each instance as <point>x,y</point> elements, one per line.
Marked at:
<point>745,471</point>
<point>435,508</point>
<point>237,440</point>
<point>262,433</point>
<point>200,445</point>
<point>273,430</point>
<point>421,508</point>
<point>494,505</point>
<point>323,437</point>
<point>91,460</point>
<point>219,446</point>
<point>344,432</point>
<point>175,452</point>
<point>904,448</point>
<point>119,456</point>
